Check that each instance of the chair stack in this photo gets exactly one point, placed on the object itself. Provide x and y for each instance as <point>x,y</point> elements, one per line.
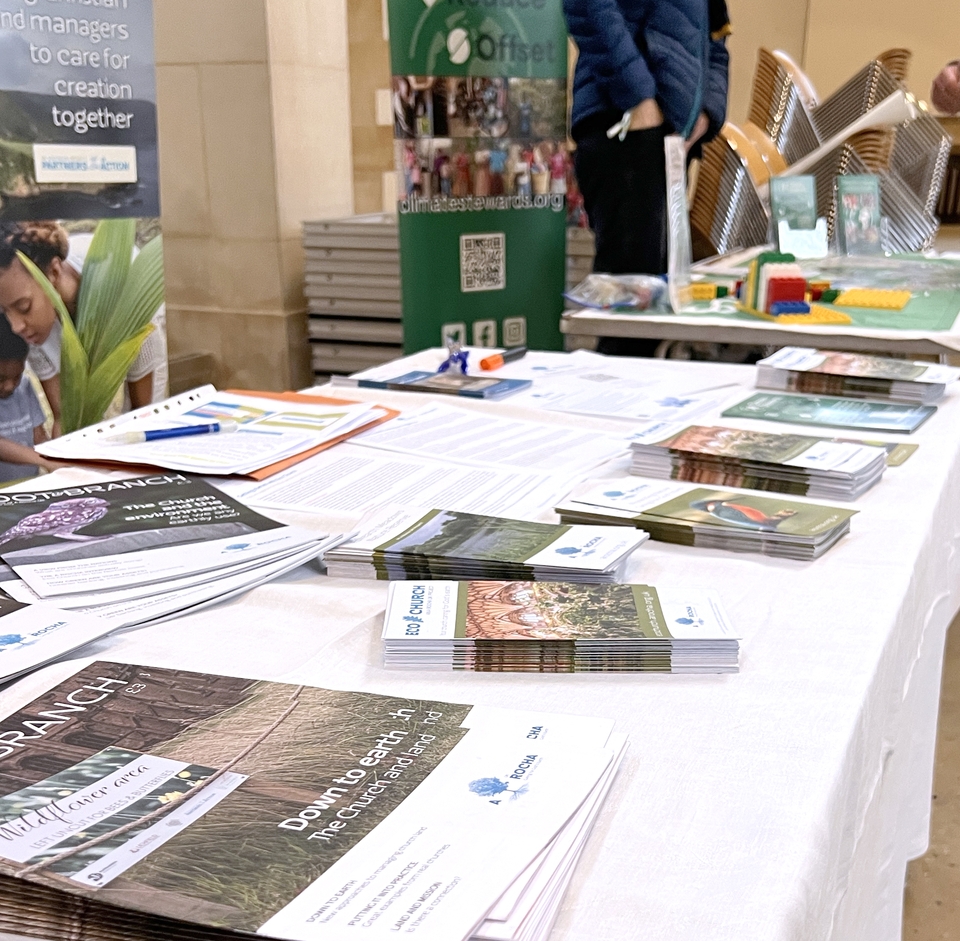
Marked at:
<point>726,212</point>
<point>778,107</point>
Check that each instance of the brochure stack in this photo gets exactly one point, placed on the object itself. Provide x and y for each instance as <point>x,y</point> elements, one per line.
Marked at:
<point>98,557</point>
<point>556,627</point>
<point>404,542</point>
<point>758,460</point>
<point>178,805</point>
<point>716,519</point>
<point>854,375</point>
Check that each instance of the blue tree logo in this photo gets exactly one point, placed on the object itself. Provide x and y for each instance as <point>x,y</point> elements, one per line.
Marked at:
<point>494,787</point>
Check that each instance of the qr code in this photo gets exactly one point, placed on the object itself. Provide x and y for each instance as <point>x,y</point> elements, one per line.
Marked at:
<point>483,264</point>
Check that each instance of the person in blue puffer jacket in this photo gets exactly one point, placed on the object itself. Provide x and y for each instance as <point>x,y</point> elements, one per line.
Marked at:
<point>660,67</point>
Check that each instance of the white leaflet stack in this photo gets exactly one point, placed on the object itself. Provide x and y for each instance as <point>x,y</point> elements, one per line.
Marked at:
<point>854,375</point>
<point>118,553</point>
<point>737,521</point>
<point>758,460</point>
<point>415,542</point>
<point>556,627</point>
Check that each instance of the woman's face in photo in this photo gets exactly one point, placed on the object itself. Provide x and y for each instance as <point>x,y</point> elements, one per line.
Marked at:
<point>27,308</point>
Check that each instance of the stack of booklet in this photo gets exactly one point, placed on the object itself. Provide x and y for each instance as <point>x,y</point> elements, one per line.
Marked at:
<point>855,375</point>
<point>757,460</point>
<point>556,627</point>
<point>161,804</point>
<point>97,557</point>
<point>715,519</point>
<point>404,542</point>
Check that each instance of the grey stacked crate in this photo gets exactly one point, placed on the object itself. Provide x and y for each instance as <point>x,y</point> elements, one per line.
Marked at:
<point>352,285</point>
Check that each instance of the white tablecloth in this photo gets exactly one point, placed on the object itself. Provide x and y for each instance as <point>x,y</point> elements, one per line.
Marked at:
<point>779,804</point>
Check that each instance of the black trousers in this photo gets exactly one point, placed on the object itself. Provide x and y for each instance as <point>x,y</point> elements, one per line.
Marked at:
<point>624,186</point>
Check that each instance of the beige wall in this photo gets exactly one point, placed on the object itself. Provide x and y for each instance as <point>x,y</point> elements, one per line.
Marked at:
<point>254,117</point>
<point>845,34</point>
<point>775,24</point>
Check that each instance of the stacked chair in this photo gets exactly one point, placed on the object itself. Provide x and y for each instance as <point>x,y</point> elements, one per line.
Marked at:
<point>787,123</point>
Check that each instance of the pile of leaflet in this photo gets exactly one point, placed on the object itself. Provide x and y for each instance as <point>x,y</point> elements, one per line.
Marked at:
<point>93,558</point>
<point>757,460</point>
<point>556,627</point>
<point>712,519</point>
<point>403,542</point>
<point>856,375</point>
<point>236,808</point>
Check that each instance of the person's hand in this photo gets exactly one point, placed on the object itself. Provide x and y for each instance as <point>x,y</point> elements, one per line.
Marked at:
<point>945,93</point>
<point>699,129</point>
<point>50,466</point>
<point>647,114</point>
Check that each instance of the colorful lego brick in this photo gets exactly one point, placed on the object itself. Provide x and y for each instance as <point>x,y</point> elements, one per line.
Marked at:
<point>722,290</point>
<point>768,273</point>
<point>756,266</point>
<point>820,286</point>
<point>783,289</point>
<point>779,308</point>
<point>703,291</point>
<point>829,296</point>
<point>882,299</point>
<point>819,314</point>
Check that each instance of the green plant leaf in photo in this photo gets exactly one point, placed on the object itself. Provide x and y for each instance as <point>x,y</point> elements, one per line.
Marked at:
<point>119,295</point>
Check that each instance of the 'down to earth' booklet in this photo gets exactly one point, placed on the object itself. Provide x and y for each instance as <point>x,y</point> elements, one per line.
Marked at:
<point>139,801</point>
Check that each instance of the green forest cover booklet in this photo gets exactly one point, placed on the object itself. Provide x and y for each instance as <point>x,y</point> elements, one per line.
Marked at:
<point>287,810</point>
<point>831,412</point>
<point>404,540</point>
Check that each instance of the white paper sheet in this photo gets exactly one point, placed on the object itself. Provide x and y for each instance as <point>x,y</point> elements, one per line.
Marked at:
<point>478,438</point>
<point>351,479</point>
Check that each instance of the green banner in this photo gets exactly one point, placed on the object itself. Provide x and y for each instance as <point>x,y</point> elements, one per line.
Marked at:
<point>480,109</point>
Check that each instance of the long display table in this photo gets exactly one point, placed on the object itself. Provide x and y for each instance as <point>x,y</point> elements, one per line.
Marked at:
<point>779,804</point>
<point>706,328</point>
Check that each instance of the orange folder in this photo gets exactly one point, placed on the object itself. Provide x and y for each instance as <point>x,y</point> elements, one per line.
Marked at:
<point>264,472</point>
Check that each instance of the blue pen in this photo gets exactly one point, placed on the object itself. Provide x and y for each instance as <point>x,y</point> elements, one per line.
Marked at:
<point>158,434</point>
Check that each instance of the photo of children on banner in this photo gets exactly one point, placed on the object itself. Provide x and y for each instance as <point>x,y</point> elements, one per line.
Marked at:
<point>21,415</point>
<point>60,257</point>
<point>456,167</point>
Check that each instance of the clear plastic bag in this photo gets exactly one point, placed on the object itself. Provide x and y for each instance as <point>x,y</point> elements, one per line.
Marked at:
<point>618,292</point>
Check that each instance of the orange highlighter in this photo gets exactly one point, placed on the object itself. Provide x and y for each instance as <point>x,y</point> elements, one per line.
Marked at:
<point>499,359</point>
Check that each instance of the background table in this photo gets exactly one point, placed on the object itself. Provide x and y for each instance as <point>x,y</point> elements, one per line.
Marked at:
<point>780,804</point>
<point>704,328</point>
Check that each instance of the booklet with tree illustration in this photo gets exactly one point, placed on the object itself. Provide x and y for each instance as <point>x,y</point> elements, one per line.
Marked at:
<point>556,627</point>
<point>150,800</point>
